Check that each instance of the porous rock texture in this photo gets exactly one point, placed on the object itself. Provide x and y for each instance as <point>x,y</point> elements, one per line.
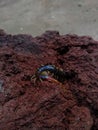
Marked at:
<point>45,105</point>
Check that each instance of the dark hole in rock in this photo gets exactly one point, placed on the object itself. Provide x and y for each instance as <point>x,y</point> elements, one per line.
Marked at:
<point>3,67</point>
<point>95,111</point>
<point>63,50</point>
<point>94,127</point>
<point>65,75</point>
<point>15,70</point>
<point>7,56</point>
<point>11,62</point>
<point>8,74</point>
<point>68,110</point>
<point>84,46</point>
<point>22,92</point>
<point>71,74</point>
<point>90,50</point>
<point>26,77</point>
<point>60,61</point>
<point>89,86</point>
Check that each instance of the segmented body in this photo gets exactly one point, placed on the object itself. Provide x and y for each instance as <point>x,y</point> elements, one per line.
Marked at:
<point>46,71</point>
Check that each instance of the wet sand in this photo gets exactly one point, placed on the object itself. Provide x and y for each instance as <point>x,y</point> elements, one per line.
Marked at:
<point>36,16</point>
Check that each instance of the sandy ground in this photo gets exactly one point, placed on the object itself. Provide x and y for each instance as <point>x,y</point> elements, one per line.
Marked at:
<point>37,16</point>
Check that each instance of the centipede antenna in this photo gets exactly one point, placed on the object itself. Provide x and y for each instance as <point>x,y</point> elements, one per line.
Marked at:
<point>61,69</point>
<point>34,81</point>
<point>40,80</point>
<point>42,65</point>
<point>33,77</point>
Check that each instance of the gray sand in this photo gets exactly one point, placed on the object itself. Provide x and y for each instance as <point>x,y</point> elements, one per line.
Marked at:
<point>37,16</point>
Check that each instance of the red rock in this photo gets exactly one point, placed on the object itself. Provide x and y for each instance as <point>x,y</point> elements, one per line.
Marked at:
<point>47,105</point>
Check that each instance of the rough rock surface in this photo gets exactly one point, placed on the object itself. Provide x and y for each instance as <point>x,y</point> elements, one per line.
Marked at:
<point>47,105</point>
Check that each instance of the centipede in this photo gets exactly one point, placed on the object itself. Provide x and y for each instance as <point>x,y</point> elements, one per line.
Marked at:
<point>51,72</point>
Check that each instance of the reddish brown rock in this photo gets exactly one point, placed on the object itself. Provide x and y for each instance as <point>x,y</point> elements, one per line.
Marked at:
<point>47,105</point>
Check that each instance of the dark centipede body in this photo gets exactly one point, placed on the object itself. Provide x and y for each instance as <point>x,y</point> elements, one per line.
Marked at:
<point>61,75</point>
<point>54,72</point>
